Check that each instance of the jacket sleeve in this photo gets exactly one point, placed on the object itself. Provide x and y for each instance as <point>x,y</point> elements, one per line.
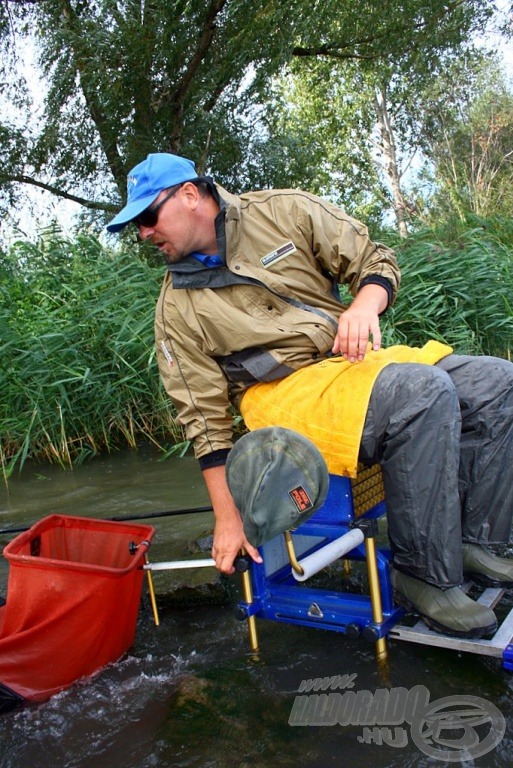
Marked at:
<point>343,246</point>
<point>192,379</point>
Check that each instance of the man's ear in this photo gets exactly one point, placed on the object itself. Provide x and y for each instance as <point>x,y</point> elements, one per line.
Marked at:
<point>191,195</point>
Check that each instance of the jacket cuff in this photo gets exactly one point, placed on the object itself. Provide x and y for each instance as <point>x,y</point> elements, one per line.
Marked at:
<point>384,282</point>
<point>214,459</point>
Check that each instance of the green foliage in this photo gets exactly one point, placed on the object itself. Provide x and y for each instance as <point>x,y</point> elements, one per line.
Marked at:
<point>457,286</point>
<point>77,368</point>
<point>320,124</point>
<point>349,128</point>
<point>467,120</point>
<point>127,77</point>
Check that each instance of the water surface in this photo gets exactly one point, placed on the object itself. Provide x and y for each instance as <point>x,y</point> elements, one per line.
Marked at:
<point>189,693</point>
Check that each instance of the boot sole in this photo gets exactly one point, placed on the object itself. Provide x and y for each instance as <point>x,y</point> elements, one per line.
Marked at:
<point>472,634</point>
<point>487,581</point>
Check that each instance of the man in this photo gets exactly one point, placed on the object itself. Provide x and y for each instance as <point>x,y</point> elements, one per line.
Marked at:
<point>249,315</point>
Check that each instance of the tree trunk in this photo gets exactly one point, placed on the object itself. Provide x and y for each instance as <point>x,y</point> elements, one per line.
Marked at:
<point>390,163</point>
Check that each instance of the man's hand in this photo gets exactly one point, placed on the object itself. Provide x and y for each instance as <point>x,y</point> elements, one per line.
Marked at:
<point>359,322</point>
<point>229,536</point>
<point>229,539</point>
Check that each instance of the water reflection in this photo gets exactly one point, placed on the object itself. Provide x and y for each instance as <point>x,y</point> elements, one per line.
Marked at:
<point>189,694</point>
<point>129,482</point>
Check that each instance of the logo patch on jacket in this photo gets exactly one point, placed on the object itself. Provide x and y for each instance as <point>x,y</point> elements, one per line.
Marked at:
<point>277,255</point>
<point>301,499</point>
<point>167,353</point>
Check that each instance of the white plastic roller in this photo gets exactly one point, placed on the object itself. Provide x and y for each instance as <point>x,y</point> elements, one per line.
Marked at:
<point>326,555</point>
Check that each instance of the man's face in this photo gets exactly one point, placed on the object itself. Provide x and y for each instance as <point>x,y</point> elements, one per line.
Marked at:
<point>174,233</point>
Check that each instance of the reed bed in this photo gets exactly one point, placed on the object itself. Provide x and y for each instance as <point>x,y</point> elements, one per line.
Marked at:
<point>457,287</point>
<point>77,365</point>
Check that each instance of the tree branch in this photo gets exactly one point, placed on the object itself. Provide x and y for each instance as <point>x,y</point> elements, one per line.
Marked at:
<point>97,113</point>
<point>204,43</point>
<point>60,192</point>
<point>333,51</point>
<point>339,50</point>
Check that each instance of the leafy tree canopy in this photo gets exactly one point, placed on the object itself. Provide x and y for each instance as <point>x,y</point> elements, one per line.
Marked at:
<point>467,132</point>
<point>126,77</point>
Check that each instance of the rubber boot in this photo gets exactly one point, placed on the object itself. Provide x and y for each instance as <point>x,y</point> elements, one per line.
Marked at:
<point>482,566</point>
<point>449,611</point>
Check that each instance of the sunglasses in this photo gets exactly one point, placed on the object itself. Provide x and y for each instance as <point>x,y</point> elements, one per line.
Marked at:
<point>150,216</point>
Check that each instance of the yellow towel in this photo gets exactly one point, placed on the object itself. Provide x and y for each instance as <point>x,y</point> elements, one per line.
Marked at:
<point>327,402</point>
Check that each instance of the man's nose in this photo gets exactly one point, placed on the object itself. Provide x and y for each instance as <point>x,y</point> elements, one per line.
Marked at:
<point>145,232</point>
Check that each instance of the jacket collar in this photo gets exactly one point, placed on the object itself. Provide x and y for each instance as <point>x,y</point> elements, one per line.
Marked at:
<point>189,272</point>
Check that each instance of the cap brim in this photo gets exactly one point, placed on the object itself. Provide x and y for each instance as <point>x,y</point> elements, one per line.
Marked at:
<point>129,212</point>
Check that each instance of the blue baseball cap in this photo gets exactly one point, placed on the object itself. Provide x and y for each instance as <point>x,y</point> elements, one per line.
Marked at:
<point>147,180</point>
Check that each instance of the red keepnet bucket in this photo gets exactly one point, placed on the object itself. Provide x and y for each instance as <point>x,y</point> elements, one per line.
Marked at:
<point>73,597</point>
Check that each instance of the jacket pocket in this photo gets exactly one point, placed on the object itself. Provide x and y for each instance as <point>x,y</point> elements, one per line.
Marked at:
<point>251,365</point>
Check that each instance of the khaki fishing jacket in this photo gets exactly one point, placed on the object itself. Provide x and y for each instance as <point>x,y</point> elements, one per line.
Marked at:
<point>272,309</point>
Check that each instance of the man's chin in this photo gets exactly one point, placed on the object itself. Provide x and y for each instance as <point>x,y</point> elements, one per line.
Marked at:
<point>169,256</point>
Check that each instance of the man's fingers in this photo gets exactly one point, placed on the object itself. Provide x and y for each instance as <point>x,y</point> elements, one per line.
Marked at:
<point>353,339</point>
<point>224,562</point>
<point>253,552</point>
<point>376,335</point>
<point>354,333</point>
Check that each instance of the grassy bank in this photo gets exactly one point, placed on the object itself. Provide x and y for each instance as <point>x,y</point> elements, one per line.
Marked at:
<point>77,367</point>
